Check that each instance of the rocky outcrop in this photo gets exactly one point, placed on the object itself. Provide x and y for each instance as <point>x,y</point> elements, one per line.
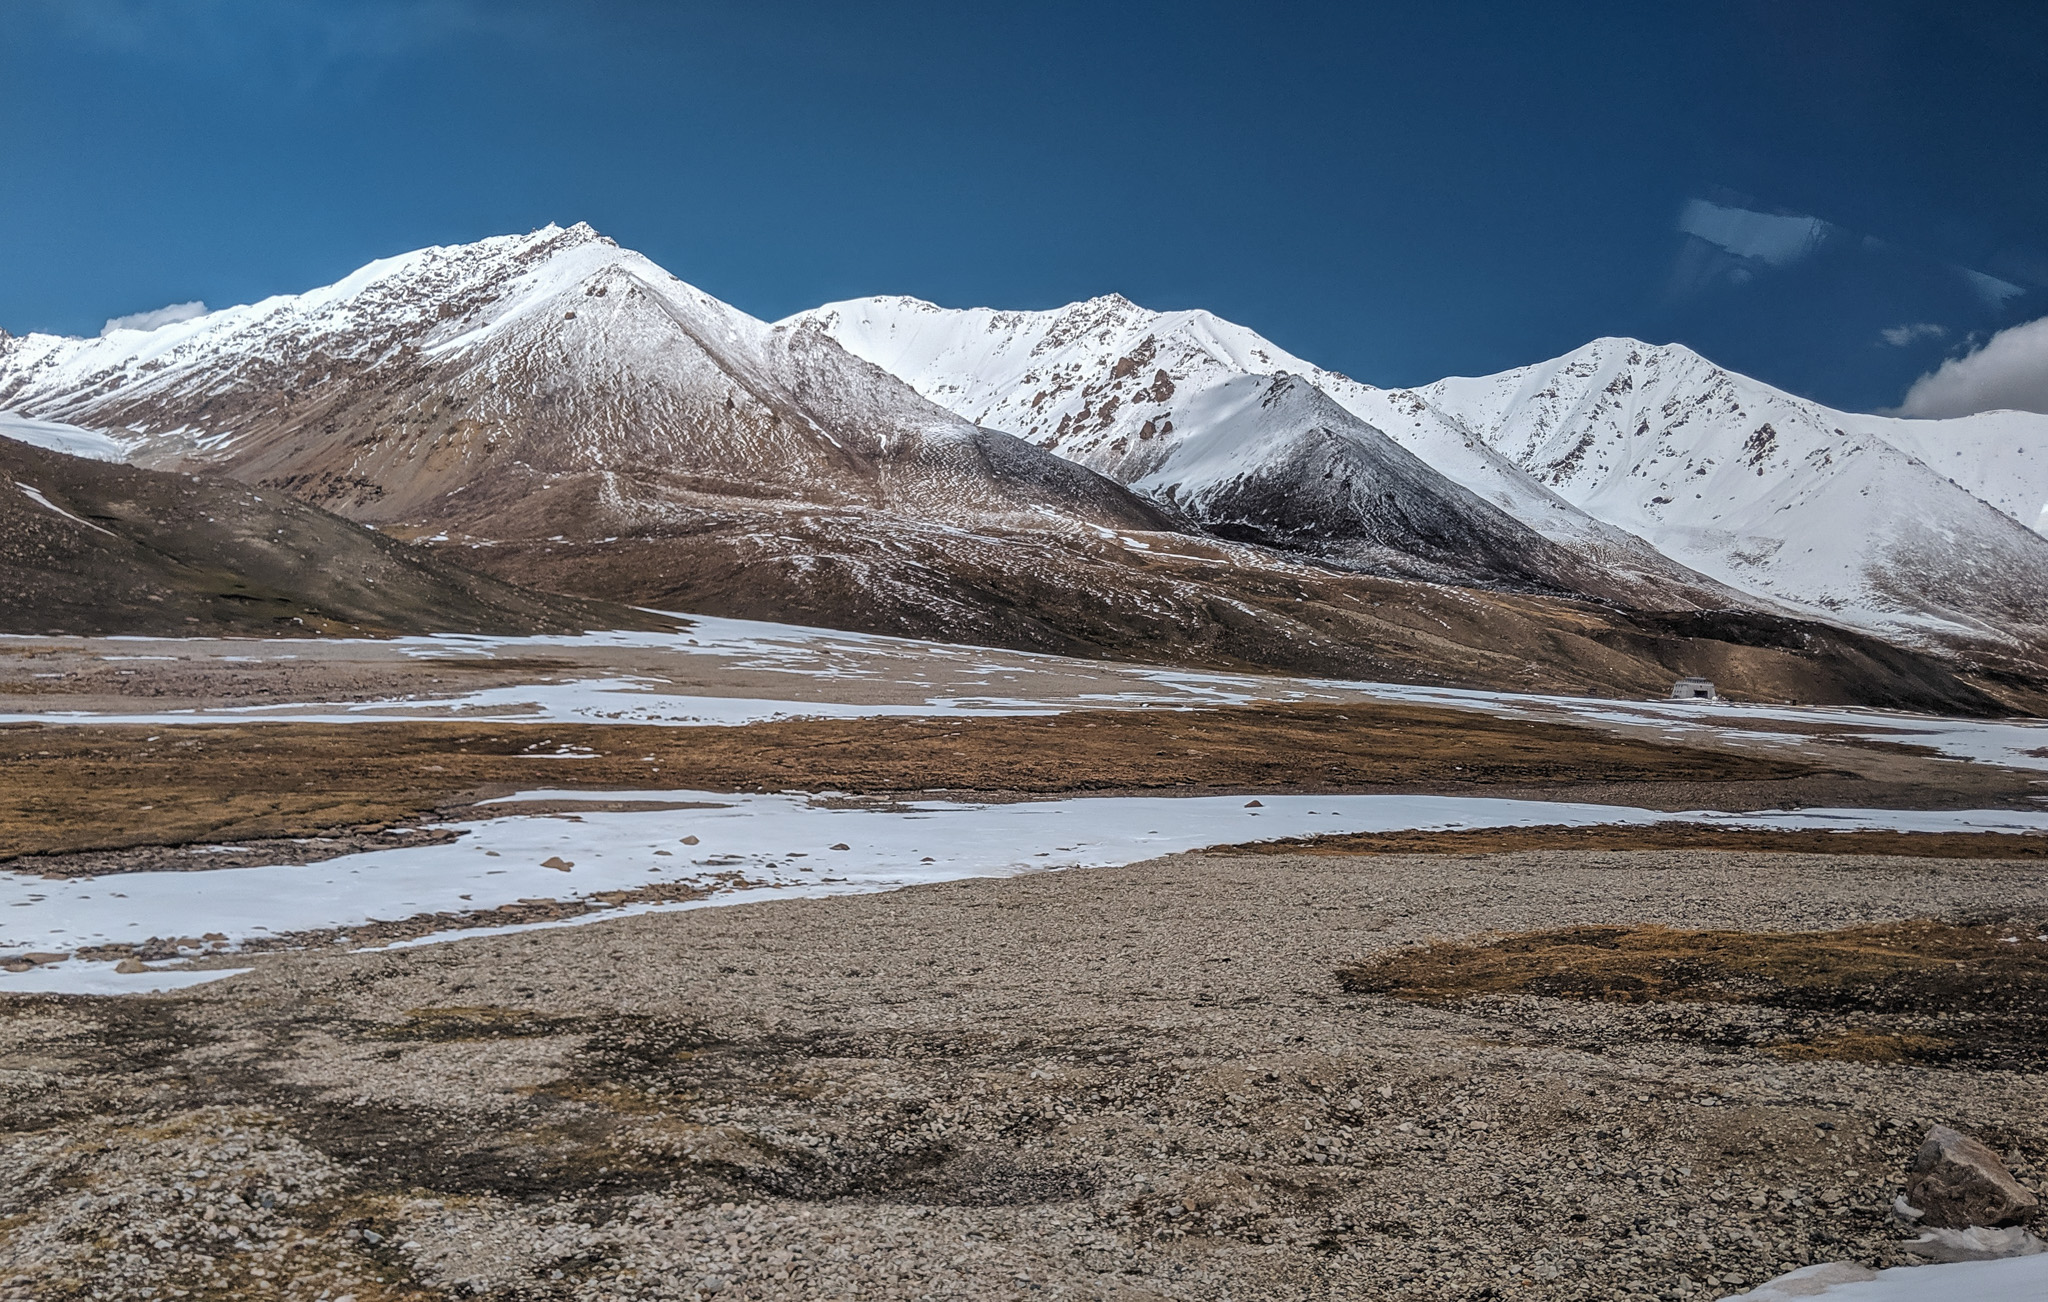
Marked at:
<point>1958,1182</point>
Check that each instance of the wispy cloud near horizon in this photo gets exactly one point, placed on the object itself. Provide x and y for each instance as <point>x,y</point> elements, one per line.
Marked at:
<point>150,320</point>
<point>162,316</point>
<point>2009,371</point>
<point>1902,336</point>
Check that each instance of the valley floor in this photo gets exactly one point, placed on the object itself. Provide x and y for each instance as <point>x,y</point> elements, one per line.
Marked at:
<point>1139,1082</point>
<point>1546,997</point>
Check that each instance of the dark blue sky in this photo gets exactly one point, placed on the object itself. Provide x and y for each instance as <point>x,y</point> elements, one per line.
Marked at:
<point>1398,191</point>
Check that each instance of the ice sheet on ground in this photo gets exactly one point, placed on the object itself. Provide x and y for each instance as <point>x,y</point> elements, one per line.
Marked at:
<point>78,977</point>
<point>2014,1279</point>
<point>784,844</point>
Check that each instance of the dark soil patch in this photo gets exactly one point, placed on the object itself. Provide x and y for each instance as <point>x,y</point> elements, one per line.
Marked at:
<point>1910,991</point>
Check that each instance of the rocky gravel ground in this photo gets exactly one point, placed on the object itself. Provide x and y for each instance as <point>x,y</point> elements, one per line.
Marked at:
<point>1137,1083</point>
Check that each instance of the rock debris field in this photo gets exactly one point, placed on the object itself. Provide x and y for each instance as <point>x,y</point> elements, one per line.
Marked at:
<point>1121,1083</point>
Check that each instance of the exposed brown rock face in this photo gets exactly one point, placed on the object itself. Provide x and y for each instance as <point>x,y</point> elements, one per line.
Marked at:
<point>1960,1182</point>
<point>92,547</point>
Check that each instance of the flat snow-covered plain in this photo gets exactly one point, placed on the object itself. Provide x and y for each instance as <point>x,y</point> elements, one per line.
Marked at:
<point>752,848</point>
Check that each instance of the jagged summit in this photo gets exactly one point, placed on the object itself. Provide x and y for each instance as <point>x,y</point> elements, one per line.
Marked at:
<point>1134,393</point>
<point>508,367</point>
<point>1765,491</point>
<point>1668,479</point>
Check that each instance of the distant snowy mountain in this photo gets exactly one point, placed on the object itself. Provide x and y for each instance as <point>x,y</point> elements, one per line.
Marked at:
<point>567,415</point>
<point>2000,457</point>
<point>1685,483</point>
<point>528,370</point>
<point>1777,496</point>
<point>1190,409</point>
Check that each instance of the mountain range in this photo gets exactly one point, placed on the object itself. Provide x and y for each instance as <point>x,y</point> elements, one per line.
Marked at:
<point>1681,483</point>
<point>565,415</point>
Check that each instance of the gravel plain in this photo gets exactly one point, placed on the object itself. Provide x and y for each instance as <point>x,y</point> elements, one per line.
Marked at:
<point>1132,1083</point>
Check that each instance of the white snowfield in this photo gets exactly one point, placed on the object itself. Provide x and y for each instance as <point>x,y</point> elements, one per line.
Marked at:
<point>1648,460</point>
<point>59,437</point>
<point>2013,1279</point>
<point>753,848</point>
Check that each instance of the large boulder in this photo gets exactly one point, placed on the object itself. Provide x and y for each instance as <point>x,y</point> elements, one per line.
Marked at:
<point>1958,1183</point>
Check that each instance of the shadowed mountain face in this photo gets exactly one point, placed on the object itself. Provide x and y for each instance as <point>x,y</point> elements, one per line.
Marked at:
<point>565,415</point>
<point>87,547</point>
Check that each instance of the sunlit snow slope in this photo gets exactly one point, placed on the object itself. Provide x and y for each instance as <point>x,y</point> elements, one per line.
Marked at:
<point>1189,408</point>
<point>1648,463</point>
<point>1776,495</point>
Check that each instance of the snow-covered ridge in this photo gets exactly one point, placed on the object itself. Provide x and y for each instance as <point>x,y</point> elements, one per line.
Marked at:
<point>1156,401</point>
<point>453,386</point>
<point>1642,458</point>
<point>509,367</point>
<point>1773,494</point>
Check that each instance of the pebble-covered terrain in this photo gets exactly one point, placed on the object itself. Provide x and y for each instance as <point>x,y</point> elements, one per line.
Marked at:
<point>1144,1082</point>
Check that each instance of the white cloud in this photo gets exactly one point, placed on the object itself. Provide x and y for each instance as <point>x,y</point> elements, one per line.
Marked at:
<point>1899,336</point>
<point>1776,239</point>
<point>163,316</point>
<point>2010,370</point>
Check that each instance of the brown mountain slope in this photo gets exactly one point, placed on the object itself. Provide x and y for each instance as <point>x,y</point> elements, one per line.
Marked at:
<point>89,547</point>
<point>1197,602</point>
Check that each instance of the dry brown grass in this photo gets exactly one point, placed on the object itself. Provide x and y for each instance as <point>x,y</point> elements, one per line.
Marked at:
<point>1928,966</point>
<point>81,788</point>
<point>1910,991</point>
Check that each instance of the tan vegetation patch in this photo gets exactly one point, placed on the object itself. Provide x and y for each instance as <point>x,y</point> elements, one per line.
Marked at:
<point>1935,965</point>
<point>79,788</point>
<point>1918,990</point>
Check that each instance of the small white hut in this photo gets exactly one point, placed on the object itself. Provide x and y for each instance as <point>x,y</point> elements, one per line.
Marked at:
<point>1693,689</point>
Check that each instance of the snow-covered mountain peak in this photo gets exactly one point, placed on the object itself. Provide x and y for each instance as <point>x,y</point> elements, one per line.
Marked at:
<point>1119,388</point>
<point>525,359</point>
<point>1765,491</point>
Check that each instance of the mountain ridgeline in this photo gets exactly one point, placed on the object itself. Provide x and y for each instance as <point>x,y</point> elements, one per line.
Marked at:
<point>566,416</point>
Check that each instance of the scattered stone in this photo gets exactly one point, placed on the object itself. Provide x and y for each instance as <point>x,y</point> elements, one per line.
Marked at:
<point>131,966</point>
<point>689,840</point>
<point>1962,1183</point>
<point>558,863</point>
<point>842,846</point>
<point>1254,804</point>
